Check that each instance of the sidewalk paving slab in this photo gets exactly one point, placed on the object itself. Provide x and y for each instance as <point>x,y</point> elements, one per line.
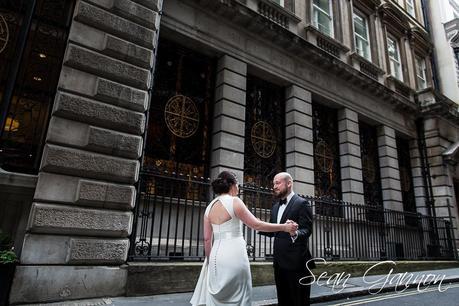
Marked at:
<point>266,295</point>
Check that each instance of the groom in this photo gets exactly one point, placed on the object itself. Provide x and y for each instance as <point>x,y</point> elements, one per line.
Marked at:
<point>291,252</point>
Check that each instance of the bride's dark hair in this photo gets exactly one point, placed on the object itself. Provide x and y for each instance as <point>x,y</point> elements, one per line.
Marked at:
<point>223,182</point>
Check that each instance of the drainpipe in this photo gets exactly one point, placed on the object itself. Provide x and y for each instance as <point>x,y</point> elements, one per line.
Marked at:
<point>433,61</point>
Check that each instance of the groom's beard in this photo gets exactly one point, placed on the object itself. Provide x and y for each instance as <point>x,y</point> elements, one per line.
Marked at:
<point>281,194</point>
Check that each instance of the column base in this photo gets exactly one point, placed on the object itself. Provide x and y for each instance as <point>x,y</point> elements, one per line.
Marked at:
<point>42,284</point>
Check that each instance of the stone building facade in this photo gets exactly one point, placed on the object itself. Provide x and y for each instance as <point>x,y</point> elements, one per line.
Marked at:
<point>338,93</point>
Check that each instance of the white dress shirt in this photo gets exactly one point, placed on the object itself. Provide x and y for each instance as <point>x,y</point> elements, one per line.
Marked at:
<point>282,208</point>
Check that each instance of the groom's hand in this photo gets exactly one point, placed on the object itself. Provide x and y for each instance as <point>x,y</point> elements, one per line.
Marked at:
<point>294,229</point>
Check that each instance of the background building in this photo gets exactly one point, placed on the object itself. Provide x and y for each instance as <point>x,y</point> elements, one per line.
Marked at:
<point>106,104</point>
<point>444,26</point>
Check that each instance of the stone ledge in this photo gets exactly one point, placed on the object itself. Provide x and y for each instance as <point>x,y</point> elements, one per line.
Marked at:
<point>89,85</point>
<point>17,181</point>
<point>152,4</point>
<point>83,192</point>
<point>104,20</point>
<point>130,10</point>
<point>101,65</point>
<point>69,161</point>
<point>48,249</point>
<point>100,114</point>
<point>72,220</point>
<point>92,138</point>
<point>111,45</point>
<point>34,284</point>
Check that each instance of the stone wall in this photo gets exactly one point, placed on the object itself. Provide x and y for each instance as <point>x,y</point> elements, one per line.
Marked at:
<point>80,219</point>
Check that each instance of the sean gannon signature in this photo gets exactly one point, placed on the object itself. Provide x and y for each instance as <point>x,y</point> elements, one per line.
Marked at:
<point>400,281</point>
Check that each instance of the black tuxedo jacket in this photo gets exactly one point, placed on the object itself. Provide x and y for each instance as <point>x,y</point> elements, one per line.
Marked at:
<point>289,255</point>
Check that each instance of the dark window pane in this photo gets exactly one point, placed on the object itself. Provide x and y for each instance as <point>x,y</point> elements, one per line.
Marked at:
<point>35,86</point>
<point>406,180</point>
<point>264,132</point>
<point>370,171</point>
<point>180,112</point>
<point>326,152</point>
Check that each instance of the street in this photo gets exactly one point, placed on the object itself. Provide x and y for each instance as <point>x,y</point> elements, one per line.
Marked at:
<point>430,296</point>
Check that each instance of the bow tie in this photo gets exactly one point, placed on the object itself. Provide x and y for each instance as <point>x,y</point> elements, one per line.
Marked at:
<point>283,202</point>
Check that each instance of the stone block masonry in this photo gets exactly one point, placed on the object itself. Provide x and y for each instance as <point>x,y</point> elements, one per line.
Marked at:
<point>229,118</point>
<point>299,139</point>
<point>350,156</point>
<point>81,219</point>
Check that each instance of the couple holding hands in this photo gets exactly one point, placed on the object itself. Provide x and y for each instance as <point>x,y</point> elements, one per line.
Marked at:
<point>225,277</point>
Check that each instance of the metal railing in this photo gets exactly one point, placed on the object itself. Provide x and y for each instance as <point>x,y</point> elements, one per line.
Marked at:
<point>170,208</point>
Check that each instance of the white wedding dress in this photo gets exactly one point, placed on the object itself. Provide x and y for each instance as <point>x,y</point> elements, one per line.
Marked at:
<point>226,278</point>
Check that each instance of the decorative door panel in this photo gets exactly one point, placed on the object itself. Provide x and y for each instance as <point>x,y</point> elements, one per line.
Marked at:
<point>327,177</point>
<point>180,112</point>
<point>264,132</point>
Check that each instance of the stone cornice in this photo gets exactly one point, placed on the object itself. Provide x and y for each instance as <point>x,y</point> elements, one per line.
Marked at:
<point>238,13</point>
<point>369,5</point>
<point>400,11</point>
<point>420,40</point>
<point>375,68</point>
<point>434,104</point>
<point>277,13</point>
<point>335,47</point>
<point>394,18</point>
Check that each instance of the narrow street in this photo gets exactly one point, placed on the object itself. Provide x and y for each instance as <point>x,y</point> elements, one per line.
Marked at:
<point>429,296</point>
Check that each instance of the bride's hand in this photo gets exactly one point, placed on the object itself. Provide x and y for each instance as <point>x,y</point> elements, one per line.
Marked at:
<point>291,227</point>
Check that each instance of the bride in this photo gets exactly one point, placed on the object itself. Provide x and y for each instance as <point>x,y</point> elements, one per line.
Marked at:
<point>225,276</point>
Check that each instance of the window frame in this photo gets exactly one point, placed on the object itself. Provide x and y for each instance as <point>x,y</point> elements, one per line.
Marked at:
<point>410,7</point>
<point>279,2</point>
<point>328,15</point>
<point>392,72</point>
<point>16,87</point>
<point>365,18</point>
<point>420,79</point>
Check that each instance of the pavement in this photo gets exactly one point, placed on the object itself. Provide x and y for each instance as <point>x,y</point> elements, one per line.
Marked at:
<point>326,288</point>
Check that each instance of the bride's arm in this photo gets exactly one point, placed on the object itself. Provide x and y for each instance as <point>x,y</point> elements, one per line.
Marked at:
<point>253,222</point>
<point>207,236</point>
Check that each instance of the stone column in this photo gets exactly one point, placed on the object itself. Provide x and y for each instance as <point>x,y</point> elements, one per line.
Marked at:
<point>80,220</point>
<point>390,174</point>
<point>299,148</point>
<point>350,156</point>
<point>442,187</point>
<point>229,118</point>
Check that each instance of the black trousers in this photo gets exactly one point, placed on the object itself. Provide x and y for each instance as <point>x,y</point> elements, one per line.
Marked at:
<point>289,290</point>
